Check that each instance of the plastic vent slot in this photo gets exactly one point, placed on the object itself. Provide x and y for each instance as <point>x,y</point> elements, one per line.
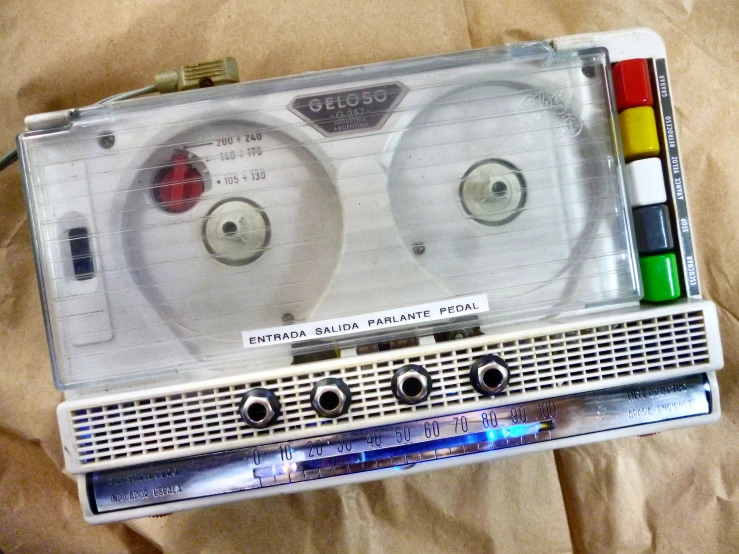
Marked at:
<point>174,423</point>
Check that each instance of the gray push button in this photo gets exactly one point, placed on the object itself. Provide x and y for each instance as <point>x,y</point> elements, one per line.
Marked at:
<point>653,229</point>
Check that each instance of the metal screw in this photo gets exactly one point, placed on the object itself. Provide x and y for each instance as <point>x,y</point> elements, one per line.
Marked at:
<point>288,318</point>
<point>106,140</point>
<point>419,248</point>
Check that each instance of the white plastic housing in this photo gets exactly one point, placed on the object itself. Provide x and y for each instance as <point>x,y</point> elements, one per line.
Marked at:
<point>154,306</point>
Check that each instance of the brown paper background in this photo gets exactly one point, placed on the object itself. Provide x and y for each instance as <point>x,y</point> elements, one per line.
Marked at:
<point>673,492</point>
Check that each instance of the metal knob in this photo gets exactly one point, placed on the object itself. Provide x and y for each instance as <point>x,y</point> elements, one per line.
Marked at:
<point>259,408</point>
<point>330,397</point>
<point>489,374</point>
<point>411,384</point>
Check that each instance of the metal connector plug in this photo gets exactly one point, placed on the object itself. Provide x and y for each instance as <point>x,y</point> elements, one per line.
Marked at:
<point>207,74</point>
<point>489,374</point>
<point>411,384</point>
<point>330,397</point>
<point>259,408</point>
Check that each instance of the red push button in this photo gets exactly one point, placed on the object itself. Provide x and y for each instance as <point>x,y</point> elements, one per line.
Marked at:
<point>631,84</point>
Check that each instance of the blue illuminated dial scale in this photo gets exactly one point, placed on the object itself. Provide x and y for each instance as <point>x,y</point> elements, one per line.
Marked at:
<point>399,446</point>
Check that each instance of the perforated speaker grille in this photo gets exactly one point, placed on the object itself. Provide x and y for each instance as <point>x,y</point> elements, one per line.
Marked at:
<point>176,423</point>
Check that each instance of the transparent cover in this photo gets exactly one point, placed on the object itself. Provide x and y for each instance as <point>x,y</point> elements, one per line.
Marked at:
<point>239,226</point>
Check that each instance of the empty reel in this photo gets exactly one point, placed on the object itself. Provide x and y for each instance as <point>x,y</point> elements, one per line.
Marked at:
<point>498,190</point>
<point>229,227</point>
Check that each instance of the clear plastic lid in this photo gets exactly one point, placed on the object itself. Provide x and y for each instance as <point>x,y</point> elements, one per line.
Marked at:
<point>242,225</point>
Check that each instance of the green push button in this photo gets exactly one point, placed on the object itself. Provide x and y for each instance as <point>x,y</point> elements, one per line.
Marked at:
<point>659,277</point>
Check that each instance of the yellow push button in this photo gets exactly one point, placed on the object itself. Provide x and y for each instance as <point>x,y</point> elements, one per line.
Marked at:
<point>638,133</point>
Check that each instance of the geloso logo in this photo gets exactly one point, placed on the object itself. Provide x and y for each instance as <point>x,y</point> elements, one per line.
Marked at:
<point>350,100</point>
<point>350,110</point>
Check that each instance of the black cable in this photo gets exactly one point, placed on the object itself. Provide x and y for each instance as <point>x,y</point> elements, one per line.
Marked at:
<point>11,157</point>
<point>8,159</point>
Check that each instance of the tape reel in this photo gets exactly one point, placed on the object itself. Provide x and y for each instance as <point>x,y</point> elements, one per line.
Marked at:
<point>241,247</point>
<point>489,202</point>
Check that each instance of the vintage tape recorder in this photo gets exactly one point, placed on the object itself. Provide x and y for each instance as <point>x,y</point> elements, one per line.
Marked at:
<point>282,285</point>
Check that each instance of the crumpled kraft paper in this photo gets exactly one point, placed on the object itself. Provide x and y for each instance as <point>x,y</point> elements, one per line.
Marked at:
<point>673,492</point>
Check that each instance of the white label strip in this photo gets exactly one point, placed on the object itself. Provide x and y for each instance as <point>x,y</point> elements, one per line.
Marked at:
<point>377,321</point>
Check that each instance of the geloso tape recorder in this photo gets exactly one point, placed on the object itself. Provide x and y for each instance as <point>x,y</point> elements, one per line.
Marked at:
<point>281,285</point>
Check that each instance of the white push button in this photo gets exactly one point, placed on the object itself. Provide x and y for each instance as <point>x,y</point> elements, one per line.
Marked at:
<point>646,182</point>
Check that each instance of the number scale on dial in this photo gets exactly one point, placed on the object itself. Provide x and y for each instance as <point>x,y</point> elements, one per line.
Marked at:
<point>398,445</point>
